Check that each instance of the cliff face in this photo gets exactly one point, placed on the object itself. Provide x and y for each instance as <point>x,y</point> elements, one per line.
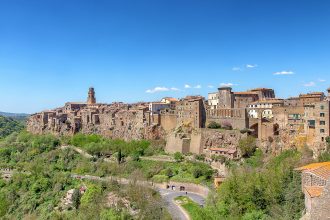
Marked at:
<point>115,121</point>
<point>197,140</point>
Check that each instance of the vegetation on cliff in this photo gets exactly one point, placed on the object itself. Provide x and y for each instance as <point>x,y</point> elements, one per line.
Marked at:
<point>9,125</point>
<point>42,177</point>
<point>258,190</point>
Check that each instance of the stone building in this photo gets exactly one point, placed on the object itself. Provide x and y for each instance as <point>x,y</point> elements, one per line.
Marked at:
<point>213,100</point>
<point>266,106</point>
<point>255,111</point>
<point>156,107</point>
<point>317,121</point>
<point>116,120</point>
<point>91,100</point>
<point>170,100</point>
<point>233,109</point>
<point>191,111</point>
<point>316,187</point>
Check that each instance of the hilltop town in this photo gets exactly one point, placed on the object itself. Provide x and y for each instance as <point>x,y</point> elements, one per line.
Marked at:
<point>186,123</point>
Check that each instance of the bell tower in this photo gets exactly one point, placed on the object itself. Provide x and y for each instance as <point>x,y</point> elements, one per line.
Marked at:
<point>91,96</point>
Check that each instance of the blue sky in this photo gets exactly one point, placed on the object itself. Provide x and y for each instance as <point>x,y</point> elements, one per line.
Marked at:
<point>129,50</point>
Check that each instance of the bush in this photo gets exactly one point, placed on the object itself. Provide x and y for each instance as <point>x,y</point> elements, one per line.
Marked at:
<point>76,198</point>
<point>200,157</point>
<point>214,125</point>
<point>197,172</point>
<point>245,130</point>
<point>178,157</point>
<point>247,146</point>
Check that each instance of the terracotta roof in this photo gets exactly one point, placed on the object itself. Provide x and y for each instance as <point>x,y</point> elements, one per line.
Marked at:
<point>313,166</point>
<point>171,99</point>
<point>314,191</point>
<point>319,169</point>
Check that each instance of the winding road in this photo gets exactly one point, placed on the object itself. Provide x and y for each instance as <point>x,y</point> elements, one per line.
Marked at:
<point>176,211</point>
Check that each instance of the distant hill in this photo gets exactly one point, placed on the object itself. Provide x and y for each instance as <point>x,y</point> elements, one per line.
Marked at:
<point>17,116</point>
<point>9,125</point>
<point>8,114</point>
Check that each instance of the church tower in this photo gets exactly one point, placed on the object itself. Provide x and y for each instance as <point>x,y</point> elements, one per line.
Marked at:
<point>91,96</point>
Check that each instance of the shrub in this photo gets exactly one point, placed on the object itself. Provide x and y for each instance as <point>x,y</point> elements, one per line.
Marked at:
<point>76,198</point>
<point>214,125</point>
<point>178,157</point>
<point>200,157</point>
<point>197,172</point>
<point>247,146</point>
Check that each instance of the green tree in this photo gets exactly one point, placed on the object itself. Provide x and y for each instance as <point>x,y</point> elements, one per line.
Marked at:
<point>247,146</point>
<point>119,156</point>
<point>197,172</point>
<point>76,198</point>
<point>169,172</point>
<point>214,125</point>
<point>178,157</point>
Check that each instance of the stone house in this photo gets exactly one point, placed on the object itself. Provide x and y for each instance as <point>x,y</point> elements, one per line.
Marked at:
<point>316,187</point>
<point>317,121</point>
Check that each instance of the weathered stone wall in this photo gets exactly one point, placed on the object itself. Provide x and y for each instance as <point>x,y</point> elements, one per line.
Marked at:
<point>168,121</point>
<point>203,138</point>
<point>114,121</point>
<point>321,205</point>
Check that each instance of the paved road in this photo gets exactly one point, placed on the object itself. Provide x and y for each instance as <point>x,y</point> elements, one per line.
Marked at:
<point>174,209</point>
<point>168,195</point>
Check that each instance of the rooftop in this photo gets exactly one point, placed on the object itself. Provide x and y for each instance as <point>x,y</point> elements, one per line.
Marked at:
<point>245,93</point>
<point>319,169</point>
<point>260,89</point>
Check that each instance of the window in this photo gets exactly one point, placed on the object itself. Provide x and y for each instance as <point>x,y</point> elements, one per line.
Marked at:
<point>322,122</point>
<point>322,114</point>
<point>321,130</point>
<point>322,107</point>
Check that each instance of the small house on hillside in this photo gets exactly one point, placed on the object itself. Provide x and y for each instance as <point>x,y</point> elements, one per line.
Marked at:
<point>316,187</point>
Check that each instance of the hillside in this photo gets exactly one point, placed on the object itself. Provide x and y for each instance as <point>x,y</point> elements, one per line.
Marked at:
<point>17,116</point>
<point>9,125</point>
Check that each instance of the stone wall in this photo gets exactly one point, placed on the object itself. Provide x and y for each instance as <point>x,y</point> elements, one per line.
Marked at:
<point>200,139</point>
<point>320,206</point>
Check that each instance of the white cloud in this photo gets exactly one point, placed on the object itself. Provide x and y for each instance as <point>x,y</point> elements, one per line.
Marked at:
<point>187,86</point>
<point>210,86</point>
<point>309,84</point>
<point>322,80</point>
<point>251,65</point>
<point>161,89</point>
<point>235,68</point>
<point>198,87</point>
<point>284,73</point>
<point>226,84</point>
